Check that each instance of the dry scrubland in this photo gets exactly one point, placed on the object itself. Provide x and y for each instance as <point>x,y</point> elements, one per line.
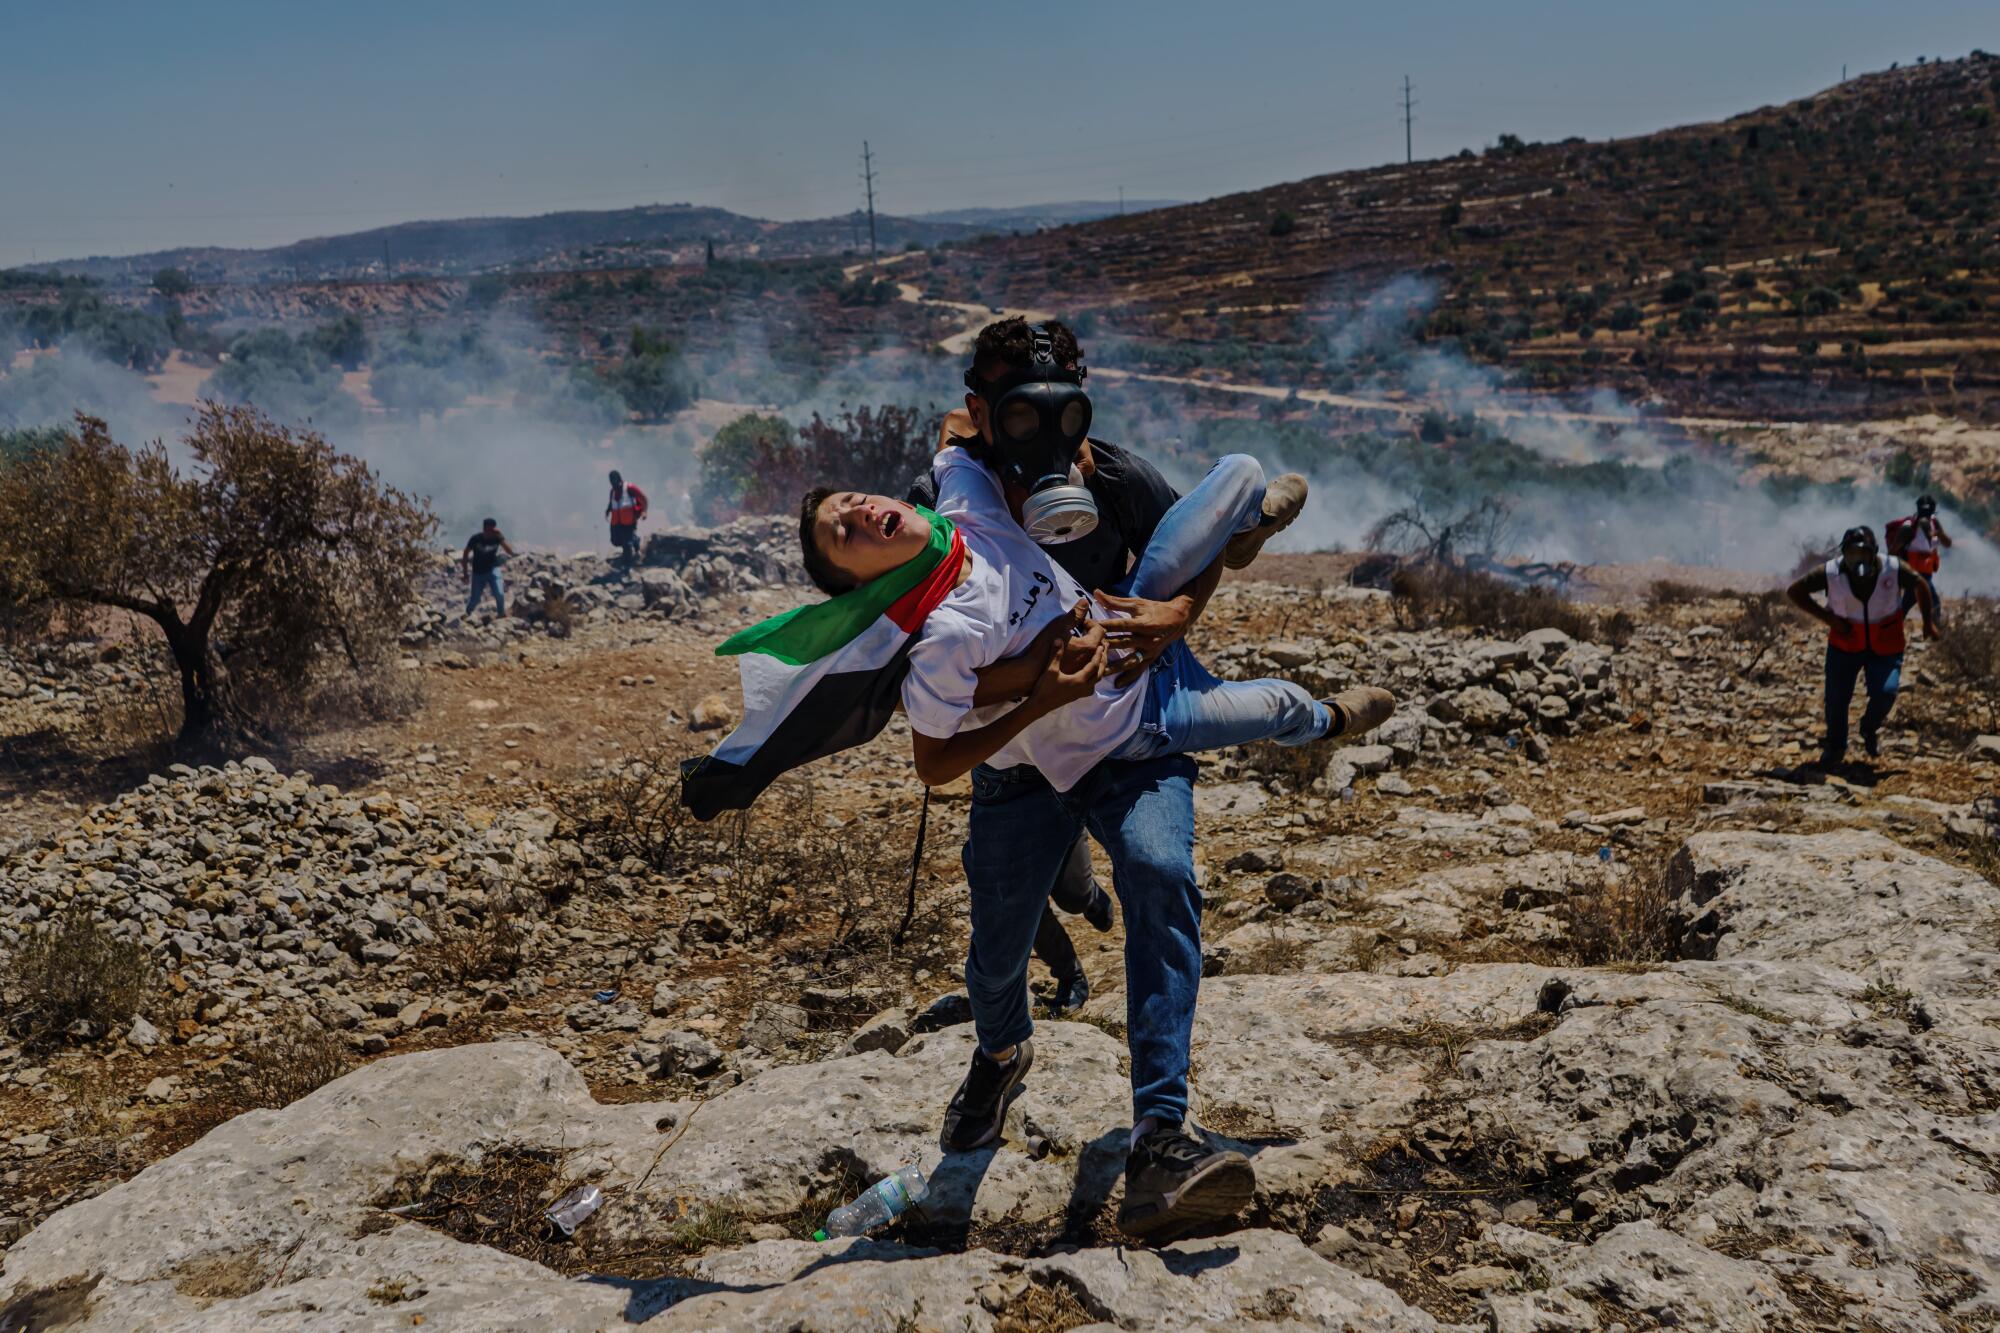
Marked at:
<point>1575,1013</point>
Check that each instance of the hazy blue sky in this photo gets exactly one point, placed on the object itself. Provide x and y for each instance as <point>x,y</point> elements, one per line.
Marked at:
<point>136,126</point>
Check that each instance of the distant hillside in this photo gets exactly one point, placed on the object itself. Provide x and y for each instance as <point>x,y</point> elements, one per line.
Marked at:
<point>1840,249</point>
<point>619,238</point>
<point>1037,217</point>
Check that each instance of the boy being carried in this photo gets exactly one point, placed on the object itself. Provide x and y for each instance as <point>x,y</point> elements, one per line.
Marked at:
<point>1006,599</point>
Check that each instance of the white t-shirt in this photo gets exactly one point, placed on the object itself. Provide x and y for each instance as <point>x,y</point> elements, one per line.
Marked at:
<point>1011,594</point>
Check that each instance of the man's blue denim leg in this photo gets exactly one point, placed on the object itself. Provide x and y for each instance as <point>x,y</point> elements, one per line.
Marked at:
<point>1187,709</point>
<point>1884,677</point>
<point>482,583</point>
<point>1841,669</point>
<point>1019,834</point>
<point>1143,813</point>
<point>1192,533</point>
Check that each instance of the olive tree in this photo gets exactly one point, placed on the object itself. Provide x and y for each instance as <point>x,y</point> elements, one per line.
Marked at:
<point>270,563</point>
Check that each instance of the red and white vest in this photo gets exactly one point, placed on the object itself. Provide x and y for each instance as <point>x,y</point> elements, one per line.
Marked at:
<point>1922,552</point>
<point>1871,626</point>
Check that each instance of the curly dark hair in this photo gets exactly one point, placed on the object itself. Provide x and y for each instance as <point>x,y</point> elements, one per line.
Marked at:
<point>819,569</point>
<point>1006,344</point>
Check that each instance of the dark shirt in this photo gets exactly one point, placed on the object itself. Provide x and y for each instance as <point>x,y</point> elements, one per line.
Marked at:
<point>1132,497</point>
<point>485,548</point>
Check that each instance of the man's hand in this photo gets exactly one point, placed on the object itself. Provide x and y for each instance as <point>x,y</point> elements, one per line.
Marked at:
<point>1931,629</point>
<point>1146,628</point>
<point>1073,670</point>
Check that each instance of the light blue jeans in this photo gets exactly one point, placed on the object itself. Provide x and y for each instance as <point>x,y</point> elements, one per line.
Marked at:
<point>1142,811</point>
<point>1186,708</point>
<point>488,582</point>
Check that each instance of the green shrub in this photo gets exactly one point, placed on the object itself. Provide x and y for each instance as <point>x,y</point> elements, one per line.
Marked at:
<point>76,980</point>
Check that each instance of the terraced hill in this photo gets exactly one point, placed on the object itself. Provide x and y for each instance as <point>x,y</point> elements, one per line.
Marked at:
<point>1830,253</point>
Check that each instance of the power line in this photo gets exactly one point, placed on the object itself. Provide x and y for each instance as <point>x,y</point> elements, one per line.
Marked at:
<point>1408,155</point>
<point>868,180</point>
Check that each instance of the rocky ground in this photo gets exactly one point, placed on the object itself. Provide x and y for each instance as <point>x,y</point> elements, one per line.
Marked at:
<point>1560,1003</point>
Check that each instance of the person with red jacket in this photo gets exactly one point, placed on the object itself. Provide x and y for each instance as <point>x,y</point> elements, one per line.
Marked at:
<point>1919,541</point>
<point>1863,616</point>
<point>624,509</point>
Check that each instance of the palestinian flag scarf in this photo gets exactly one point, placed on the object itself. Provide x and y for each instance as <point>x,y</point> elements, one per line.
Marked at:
<point>822,678</point>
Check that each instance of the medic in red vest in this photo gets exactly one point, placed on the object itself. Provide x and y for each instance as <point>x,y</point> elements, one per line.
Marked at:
<point>1919,541</point>
<point>1863,616</point>
<point>624,509</point>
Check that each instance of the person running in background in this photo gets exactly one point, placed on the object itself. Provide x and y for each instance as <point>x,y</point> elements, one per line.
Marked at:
<point>1864,627</point>
<point>479,564</point>
<point>1918,540</point>
<point>624,509</point>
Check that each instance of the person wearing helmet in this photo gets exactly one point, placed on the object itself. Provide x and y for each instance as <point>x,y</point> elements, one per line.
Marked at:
<point>1863,615</point>
<point>1919,541</point>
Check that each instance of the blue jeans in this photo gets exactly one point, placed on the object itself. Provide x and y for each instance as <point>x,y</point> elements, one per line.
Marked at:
<point>1186,708</point>
<point>481,583</point>
<point>1937,607</point>
<point>1884,675</point>
<point>1142,811</point>
<point>1020,833</point>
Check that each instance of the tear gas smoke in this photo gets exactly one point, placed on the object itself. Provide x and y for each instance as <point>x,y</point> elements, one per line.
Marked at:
<point>1595,483</point>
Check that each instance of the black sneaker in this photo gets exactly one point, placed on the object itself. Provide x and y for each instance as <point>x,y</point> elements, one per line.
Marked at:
<point>1098,913</point>
<point>1175,1183</point>
<point>1871,741</point>
<point>1070,993</point>
<point>979,1107</point>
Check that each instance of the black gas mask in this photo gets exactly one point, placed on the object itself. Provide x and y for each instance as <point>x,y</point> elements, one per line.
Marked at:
<point>1926,507</point>
<point>1040,416</point>
<point>1860,555</point>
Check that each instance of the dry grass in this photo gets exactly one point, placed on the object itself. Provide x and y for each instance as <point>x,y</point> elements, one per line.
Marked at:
<point>710,1226</point>
<point>790,870</point>
<point>1049,1305</point>
<point>1762,622</point>
<point>76,980</point>
<point>487,948</point>
<point>295,1057</point>
<point>1969,654</point>
<point>1272,953</point>
<point>1443,594</point>
<point>635,811</point>
<point>1616,919</point>
<point>498,1201</point>
<point>1669,592</point>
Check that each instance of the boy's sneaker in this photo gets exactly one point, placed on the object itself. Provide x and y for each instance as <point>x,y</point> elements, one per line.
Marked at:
<point>1284,497</point>
<point>1174,1183</point>
<point>1360,709</point>
<point>1098,913</point>
<point>1070,993</point>
<point>979,1107</point>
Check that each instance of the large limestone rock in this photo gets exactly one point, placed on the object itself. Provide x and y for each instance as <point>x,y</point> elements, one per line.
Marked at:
<point>1850,899</point>
<point>1801,1129</point>
<point>278,1219</point>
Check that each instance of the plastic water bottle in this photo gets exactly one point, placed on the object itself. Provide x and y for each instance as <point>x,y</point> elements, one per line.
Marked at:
<point>885,1200</point>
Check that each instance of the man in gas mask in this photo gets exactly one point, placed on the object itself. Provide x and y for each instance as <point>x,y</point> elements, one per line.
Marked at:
<point>1096,515</point>
<point>1096,509</point>
<point>1919,541</point>
<point>1863,616</point>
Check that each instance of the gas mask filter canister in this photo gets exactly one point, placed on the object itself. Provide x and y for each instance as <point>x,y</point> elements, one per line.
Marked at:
<point>1040,417</point>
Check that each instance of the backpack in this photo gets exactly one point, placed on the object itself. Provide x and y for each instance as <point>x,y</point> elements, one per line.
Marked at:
<point>638,498</point>
<point>1898,534</point>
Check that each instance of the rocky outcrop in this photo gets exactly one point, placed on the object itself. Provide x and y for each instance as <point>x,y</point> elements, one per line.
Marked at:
<point>249,884</point>
<point>284,1216</point>
<point>681,573</point>
<point>1798,1127</point>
